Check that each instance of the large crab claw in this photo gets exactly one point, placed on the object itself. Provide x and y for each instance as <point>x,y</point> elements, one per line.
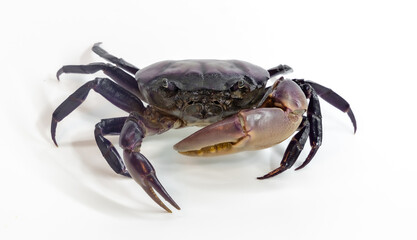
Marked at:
<point>247,130</point>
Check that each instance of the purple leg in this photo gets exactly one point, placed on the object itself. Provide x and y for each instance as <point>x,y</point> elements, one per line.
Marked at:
<point>118,61</point>
<point>118,75</point>
<point>111,126</point>
<point>315,121</point>
<point>311,128</point>
<point>116,94</point>
<point>138,166</point>
<point>279,70</point>
<point>292,152</point>
<point>334,99</point>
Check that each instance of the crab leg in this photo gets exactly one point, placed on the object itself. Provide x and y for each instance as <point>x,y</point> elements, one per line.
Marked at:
<point>279,70</point>
<point>333,98</point>
<point>292,152</point>
<point>311,128</point>
<point>111,126</point>
<point>117,95</point>
<point>138,165</point>
<point>315,122</point>
<point>115,73</point>
<point>118,61</point>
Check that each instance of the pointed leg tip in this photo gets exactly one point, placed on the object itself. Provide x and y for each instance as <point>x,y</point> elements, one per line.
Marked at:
<point>53,138</point>
<point>355,127</point>
<point>268,175</point>
<point>310,156</point>
<point>168,210</point>
<point>352,119</point>
<point>163,193</point>
<point>152,184</point>
<point>58,74</point>
<point>299,168</point>
<point>53,130</point>
<point>126,174</point>
<point>96,45</point>
<point>174,204</point>
<point>273,173</point>
<point>162,205</point>
<point>149,190</point>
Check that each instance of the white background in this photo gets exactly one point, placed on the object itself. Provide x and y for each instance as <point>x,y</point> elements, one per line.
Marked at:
<point>360,186</point>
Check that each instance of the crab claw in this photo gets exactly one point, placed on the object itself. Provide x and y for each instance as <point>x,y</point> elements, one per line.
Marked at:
<point>143,173</point>
<point>247,130</point>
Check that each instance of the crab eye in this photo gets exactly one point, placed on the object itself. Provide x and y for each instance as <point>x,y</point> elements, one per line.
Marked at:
<point>241,84</point>
<point>167,88</point>
<point>165,83</point>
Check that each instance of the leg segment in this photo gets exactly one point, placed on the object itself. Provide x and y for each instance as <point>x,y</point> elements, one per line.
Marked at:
<point>280,70</point>
<point>138,165</point>
<point>292,152</point>
<point>312,129</point>
<point>314,119</point>
<point>334,99</point>
<point>117,95</point>
<point>115,73</point>
<point>118,61</point>
<point>111,126</point>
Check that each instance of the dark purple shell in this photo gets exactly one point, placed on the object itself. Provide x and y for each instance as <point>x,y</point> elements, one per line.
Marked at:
<point>193,75</point>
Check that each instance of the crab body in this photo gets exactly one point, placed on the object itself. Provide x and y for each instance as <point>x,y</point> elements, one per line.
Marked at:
<point>201,92</point>
<point>229,98</point>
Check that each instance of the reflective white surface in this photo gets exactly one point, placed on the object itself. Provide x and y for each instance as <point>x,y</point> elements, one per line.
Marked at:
<point>357,187</point>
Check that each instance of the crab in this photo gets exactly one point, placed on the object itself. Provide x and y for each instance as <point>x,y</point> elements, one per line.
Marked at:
<point>230,99</point>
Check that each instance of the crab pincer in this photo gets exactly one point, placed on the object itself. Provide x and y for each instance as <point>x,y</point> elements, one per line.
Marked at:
<point>248,130</point>
<point>276,120</point>
<point>143,173</point>
<point>138,166</point>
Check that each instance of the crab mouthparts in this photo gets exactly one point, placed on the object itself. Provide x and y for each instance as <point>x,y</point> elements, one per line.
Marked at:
<point>203,111</point>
